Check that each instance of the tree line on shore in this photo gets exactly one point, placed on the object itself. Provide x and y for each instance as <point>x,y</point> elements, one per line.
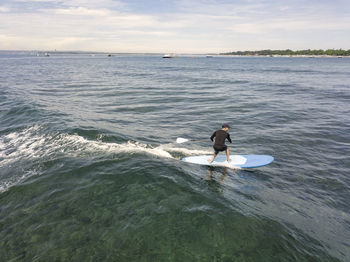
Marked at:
<point>289,52</point>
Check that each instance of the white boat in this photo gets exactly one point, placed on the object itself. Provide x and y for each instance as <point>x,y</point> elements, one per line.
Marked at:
<point>167,56</point>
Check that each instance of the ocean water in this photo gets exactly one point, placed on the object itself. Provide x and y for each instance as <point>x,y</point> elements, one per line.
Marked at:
<point>89,170</point>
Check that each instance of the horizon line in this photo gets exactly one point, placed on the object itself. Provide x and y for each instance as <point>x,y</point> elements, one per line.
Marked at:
<point>189,53</point>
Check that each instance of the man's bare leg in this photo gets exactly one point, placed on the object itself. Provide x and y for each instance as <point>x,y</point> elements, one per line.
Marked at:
<point>228,155</point>
<point>212,159</point>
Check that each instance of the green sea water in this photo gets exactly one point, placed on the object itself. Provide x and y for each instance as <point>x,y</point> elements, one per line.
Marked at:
<point>89,170</point>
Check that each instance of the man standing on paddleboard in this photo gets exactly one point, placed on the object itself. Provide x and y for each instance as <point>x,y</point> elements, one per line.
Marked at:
<point>219,144</point>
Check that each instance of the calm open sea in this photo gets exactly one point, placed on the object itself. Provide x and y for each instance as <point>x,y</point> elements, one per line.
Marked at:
<point>89,170</point>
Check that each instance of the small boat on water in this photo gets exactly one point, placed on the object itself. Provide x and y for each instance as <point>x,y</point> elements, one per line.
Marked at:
<point>168,56</point>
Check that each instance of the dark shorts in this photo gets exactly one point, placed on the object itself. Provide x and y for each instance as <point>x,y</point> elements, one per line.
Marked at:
<point>219,149</point>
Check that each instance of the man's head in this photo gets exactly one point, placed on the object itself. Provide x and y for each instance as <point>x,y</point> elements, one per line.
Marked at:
<point>225,127</point>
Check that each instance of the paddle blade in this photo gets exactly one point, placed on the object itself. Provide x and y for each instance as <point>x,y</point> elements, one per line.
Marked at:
<point>181,140</point>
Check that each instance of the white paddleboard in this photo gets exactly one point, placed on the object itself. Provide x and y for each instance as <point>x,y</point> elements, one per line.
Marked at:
<point>238,161</point>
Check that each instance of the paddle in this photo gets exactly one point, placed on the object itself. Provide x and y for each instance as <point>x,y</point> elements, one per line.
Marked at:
<point>181,140</point>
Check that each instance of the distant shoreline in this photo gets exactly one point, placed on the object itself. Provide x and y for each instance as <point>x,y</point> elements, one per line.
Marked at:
<point>291,53</point>
<point>286,56</point>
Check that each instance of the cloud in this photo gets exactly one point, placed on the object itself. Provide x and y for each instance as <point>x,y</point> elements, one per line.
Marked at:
<point>4,9</point>
<point>7,42</point>
<point>101,4</point>
<point>82,11</point>
<point>190,26</point>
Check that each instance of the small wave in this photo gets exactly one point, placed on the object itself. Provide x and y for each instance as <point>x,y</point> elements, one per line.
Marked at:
<point>21,145</point>
<point>33,145</point>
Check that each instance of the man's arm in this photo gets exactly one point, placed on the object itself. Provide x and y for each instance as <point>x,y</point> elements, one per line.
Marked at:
<point>229,138</point>
<point>212,136</point>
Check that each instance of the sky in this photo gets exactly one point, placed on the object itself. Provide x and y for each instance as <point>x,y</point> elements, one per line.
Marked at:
<point>168,26</point>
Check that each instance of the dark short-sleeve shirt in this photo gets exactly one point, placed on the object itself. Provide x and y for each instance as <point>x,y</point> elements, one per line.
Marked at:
<point>220,137</point>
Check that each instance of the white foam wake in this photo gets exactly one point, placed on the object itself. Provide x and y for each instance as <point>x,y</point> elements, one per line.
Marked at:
<point>185,151</point>
<point>78,144</point>
<point>30,146</point>
<point>22,145</point>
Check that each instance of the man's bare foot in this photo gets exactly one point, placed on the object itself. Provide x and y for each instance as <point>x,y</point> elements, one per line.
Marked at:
<point>210,160</point>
